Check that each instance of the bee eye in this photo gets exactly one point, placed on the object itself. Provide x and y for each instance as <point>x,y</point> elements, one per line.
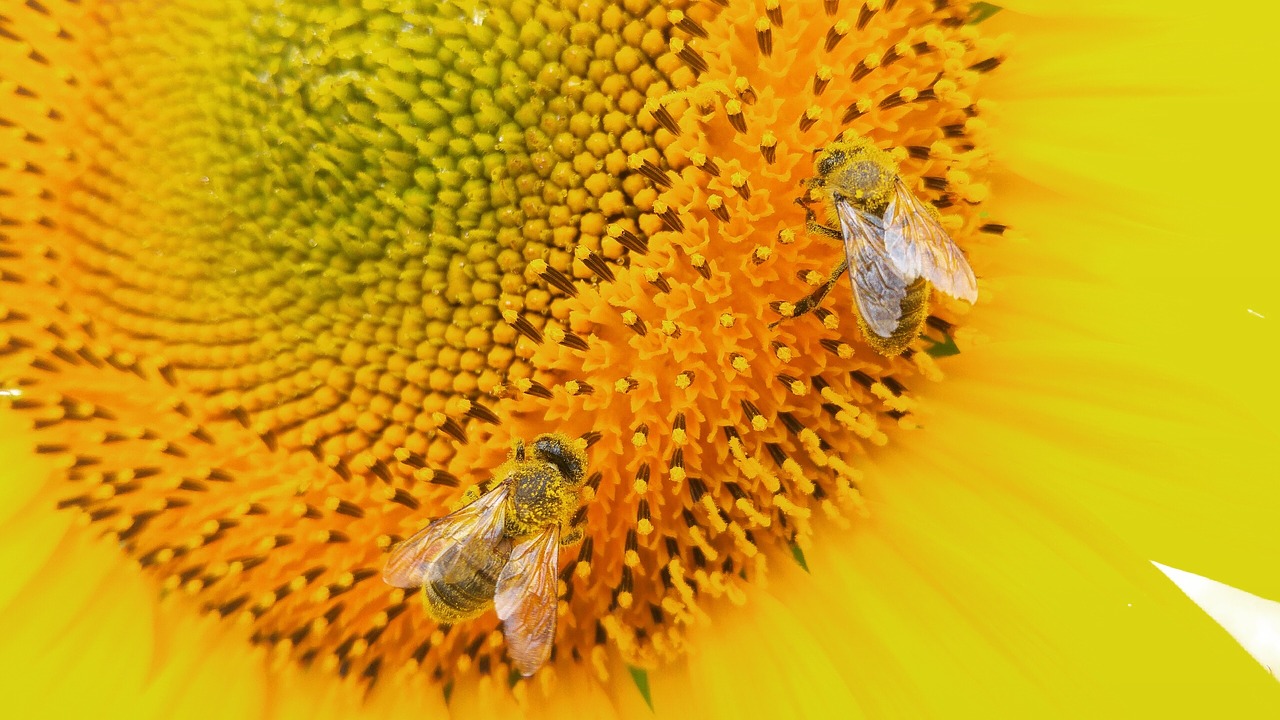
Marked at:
<point>829,163</point>
<point>555,451</point>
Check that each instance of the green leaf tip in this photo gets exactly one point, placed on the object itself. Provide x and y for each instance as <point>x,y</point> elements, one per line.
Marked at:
<point>980,11</point>
<point>944,348</point>
<point>641,678</point>
<point>798,554</point>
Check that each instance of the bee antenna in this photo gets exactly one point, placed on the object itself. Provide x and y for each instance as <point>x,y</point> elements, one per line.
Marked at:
<point>519,450</point>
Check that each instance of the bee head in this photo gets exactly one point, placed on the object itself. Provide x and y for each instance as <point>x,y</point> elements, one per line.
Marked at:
<point>829,160</point>
<point>563,453</point>
<point>857,171</point>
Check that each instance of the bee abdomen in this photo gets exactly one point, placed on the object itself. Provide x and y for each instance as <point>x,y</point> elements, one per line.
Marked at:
<point>915,310</point>
<point>469,589</point>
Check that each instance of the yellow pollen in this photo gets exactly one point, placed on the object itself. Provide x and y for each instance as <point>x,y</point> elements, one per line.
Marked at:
<point>461,231</point>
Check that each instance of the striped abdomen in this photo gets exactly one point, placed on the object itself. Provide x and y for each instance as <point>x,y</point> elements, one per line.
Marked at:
<point>464,585</point>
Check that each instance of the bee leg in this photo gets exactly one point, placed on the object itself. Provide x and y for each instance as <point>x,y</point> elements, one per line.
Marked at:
<point>475,492</point>
<point>574,534</point>
<point>812,225</point>
<point>811,302</point>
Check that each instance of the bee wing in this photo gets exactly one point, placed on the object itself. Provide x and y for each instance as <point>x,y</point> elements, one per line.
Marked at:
<point>878,287</point>
<point>526,599</point>
<point>472,528</point>
<point>920,247</point>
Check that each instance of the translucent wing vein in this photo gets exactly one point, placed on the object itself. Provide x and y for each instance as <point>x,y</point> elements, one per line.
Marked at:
<point>472,530</point>
<point>878,285</point>
<point>526,600</point>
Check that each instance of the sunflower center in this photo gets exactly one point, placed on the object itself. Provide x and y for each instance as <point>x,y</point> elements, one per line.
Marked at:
<point>294,276</point>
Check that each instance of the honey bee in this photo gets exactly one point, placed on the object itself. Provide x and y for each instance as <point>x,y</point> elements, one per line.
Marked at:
<point>502,548</point>
<point>893,242</point>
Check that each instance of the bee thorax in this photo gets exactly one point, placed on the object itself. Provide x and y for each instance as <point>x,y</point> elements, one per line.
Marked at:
<point>540,496</point>
<point>864,176</point>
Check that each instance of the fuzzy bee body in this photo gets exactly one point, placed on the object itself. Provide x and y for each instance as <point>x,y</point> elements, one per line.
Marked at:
<point>501,550</point>
<point>468,591</point>
<point>896,250</point>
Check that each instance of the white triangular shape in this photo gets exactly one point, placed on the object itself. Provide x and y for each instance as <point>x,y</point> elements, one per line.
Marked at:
<point>1253,621</point>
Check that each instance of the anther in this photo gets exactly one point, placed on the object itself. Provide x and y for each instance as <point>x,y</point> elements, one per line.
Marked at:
<point>568,338</point>
<point>699,263</point>
<point>739,182</point>
<point>654,278</point>
<point>757,421</point>
<point>662,115</point>
<point>773,11</point>
<point>835,34</point>
<point>856,110</point>
<point>715,204</point>
<point>537,389</point>
<point>522,326</point>
<point>840,349</point>
<point>630,555</point>
<point>810,117</point>
<point>634,321</point>
<point>769,146</point>
<point>865,15</point>
<point>649,170</point>
<point>687,24</point>
<point>343,507</point>
<point>668,215</point>
<point>704,163</point>
<point>691,57</point>
<point>641,483</point>
<point>733,109</point>
<point>628,239</point>
<point>554,277</point>
<point>987,65</point>
<point>829,319</point>
<point>676,466</point>
<point>400,496</point>
<point>644,525</point>
<point>764,36</point>
<point>450,427</point>
<point>797,388</point>
<point>482,413</point>
<point>820,79</point>
<point>594,263</point>
<point>685,379</point>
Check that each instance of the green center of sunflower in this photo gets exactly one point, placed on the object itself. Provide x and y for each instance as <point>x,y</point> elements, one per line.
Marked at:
<point>298,273</point>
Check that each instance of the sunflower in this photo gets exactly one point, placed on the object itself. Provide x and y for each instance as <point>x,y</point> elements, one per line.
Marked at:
<point>279,277</point>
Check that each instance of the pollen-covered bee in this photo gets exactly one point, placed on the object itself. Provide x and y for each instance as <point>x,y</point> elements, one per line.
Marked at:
<point>895,247</point>
<point>502,549</point>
